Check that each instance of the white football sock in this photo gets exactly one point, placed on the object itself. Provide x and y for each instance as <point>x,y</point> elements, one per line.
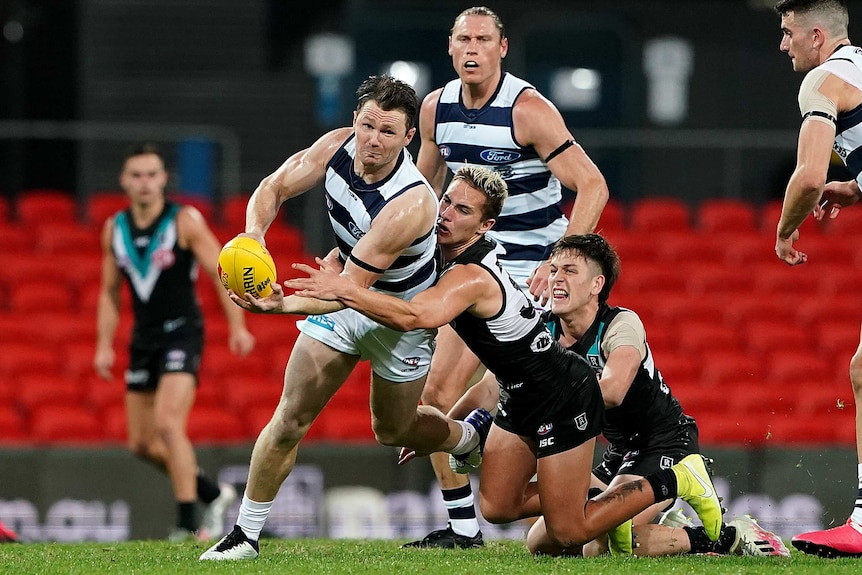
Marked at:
<point>252,516</point>
<point>469,439</point>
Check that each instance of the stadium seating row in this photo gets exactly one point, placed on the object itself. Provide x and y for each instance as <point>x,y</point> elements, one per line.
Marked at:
<point>753,348</point>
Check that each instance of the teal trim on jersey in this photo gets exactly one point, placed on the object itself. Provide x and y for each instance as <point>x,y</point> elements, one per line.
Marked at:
<point>142,262</point>
<point>596,347</point>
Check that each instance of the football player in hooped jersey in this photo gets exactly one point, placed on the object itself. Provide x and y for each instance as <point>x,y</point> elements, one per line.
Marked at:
<point>157,246</point>
<point>550,408</point>
<point>488,117</point>
<point>383,214</point>
<point>815,37</point>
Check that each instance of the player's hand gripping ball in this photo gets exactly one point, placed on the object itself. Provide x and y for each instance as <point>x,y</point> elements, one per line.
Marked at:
<point>244,265</point>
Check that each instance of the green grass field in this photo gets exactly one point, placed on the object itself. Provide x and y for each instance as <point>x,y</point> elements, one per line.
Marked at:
<point>330,557</point>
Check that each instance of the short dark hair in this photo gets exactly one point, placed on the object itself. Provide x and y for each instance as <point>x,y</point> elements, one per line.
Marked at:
<point>488,182</point>
<point>143,149</point>
<point>594,248</point>
<point>390,94</point>
<point>481,11</point>
<point>803,6</point>
<point>830,15</point>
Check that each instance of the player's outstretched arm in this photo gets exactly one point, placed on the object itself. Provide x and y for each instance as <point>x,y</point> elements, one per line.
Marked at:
<point>457,291</point>
<point>299,173</point>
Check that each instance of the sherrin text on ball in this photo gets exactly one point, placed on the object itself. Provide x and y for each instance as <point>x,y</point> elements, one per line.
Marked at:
<point>244,265</point>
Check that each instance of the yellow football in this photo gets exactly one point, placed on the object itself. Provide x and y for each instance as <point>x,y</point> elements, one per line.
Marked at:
<point>244,265</point>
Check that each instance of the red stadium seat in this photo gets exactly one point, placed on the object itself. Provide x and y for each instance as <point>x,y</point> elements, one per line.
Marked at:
<point>685,247</point>
<point>835,250</point>
<point>35,295</point>
<point>46,205</point>
<point>754,400</point>
<point>677,368</point>
<point>821,399</point>
<point>746,249</point>
<point>13,425</point>
<point>60,239</point>
<point>649,277</point>
<point>728,429</point>
<point>683,308</point>
<point>765,337</point>
<point>719,215</point>
<point>101,205</point>
<point>813,310</point>
<point>244,393</point>
<point>742,309</point>
<point>113,417</point>
<point>233,212</point>
<point>716,280</point>
<point>66,424</point>
<point>203,204</point>
<point>847,227</point>
<point>631,247</point>
<point>37,390</point>
<point>720,367</point>
<point>17,241</point>
<point>613,218</point>
<point>770,213</point>
<point>215,424</point>
<point>794,430</point>
<point>19,359</point>
<point>784,280</point>
<point>703,336</point>
<point>789,367</point>
<point>100,394</point>
<point>837,278</point>
<point>837,338</point>
<point>60,328</point>
<point>341,423</point>
<point>659,214</point>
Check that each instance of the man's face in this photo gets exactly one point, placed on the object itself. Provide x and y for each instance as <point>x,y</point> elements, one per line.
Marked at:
<point>797,40</point>
<point>460,216</point>
<point>574,282</point>
<point>144,178</point>
<point>380,135</point>
<point>476,48</point>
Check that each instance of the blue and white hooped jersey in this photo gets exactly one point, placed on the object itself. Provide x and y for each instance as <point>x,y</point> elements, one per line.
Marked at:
<point>846,63</point>
<point>532,218</point>
<point>353,205</point>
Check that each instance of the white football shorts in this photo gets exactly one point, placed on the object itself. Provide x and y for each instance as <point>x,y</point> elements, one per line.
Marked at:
<point>396,356</point>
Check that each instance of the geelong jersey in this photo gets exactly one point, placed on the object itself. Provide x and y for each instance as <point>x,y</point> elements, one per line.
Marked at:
<point>161,274</point>
<point>515,344</point>
<point>353,205</point>
<point>648,408</point>
<point>846,63</point>
<point>532,218</point>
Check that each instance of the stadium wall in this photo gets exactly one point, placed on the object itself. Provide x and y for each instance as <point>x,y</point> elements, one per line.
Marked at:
<point>358,491</point>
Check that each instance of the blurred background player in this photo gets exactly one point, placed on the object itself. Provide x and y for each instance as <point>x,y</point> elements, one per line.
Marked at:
<point>814,35</point>
<point>383,214</point>
<point>157,247</point>
<point>490,118</point>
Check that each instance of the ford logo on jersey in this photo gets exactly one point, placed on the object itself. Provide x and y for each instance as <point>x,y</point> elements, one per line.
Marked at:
<point>499,156</point>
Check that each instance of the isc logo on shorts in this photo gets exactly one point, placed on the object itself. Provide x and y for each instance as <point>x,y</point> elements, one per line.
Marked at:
<point>666,462</point>
<point>322,321</point>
